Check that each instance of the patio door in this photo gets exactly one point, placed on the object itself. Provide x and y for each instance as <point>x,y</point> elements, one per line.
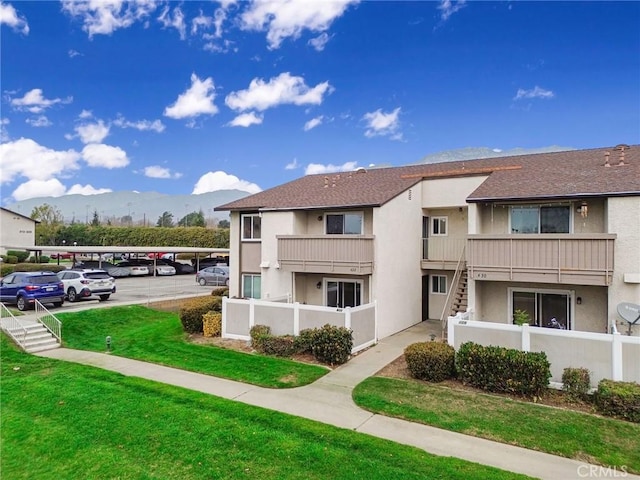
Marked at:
<point>545,308</point>
<point>342,294</point>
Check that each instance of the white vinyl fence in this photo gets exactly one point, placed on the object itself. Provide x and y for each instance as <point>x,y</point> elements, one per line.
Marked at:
<point>239,315</point>
<point>613,356</point>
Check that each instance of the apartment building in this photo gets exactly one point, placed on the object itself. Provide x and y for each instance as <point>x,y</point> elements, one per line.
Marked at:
<point>553,236</point>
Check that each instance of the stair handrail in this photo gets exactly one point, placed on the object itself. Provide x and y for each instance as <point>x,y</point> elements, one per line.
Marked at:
<point>49,320</point>
<point>9,324</point>
<point>449,300</point>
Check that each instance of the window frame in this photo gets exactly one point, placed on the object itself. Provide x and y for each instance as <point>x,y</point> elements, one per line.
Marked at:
<point>441,220</point>
<point>243,219</point>
<point>253,277</point>
<point>358,213</point>
<point>535,322</point>
<point>539,208</point>
<point>355,281</point>
<point>432,278</point>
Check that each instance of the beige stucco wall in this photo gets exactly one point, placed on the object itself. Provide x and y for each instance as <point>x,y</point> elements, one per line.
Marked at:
<point>437,301</point>
<point>623,219</point>
<point>492,303</point>
<point>234,255</point>
<point>457,222</point>
<point>449,192</point>
<point>275,281</point>
<point>306,290</point>
<point>397,278</point>
<point>16,230</point>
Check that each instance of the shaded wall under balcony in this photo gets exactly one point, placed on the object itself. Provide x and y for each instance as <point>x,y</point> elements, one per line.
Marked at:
<point>339,254</point>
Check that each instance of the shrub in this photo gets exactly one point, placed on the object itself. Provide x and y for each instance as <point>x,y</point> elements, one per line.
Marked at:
<point>44,259</point>
<point>192,311</point>
<point>212,324</point>
<point>304,341</point>
<point>499,369</point>
<point>576,382</point>
<point>431,361</point>
<point>332,345</point>
<point>10,259</point>
<point>280,346</point>
<point>36,267</point>
<point>520,317</point>
<point>20,254</point>
<point>619,399</point>
<point>6,270</point>
<point>220,292</point>
<point>258,334</point>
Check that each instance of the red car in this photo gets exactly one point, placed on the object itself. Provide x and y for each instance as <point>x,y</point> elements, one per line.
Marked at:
<point>66,255</point>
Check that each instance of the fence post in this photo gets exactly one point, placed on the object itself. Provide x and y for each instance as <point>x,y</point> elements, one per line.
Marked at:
<point>616,357</point>
<point>296,319</point>
<point>347,317</point>
<point>224,316</point>
<point>451,321</point>
<point>252,313</point>
<point>526,338</point>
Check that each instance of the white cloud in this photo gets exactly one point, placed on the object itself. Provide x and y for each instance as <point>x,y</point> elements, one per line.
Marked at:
<point>320,41</point>
<point>223,47</point>
<point>175,20</point>
<point>280,90</point>
<point>196,100</point>
<point>449,7</point>
<point>73,53</point>
<point>92,132</point>
<point>9,16</point>
<point>105,156</point>
<point>314,168</point>
<point>84,114</point>
<point>104,17</point>
<point>34,102</point>
<point>39,188</point>
<point>288,18</point>
<point>155,171</point>
<point>4,133</point>
<point>88,189</point>
<point>246,120</point>
<point>383,124</point>
<point>535,92</point>
<point>142,125</point>
<point>313,123</point>
<point>26,158</point>
<point>213,181</point>
<point>39,121</point>
<point>201,22</point>
<point>293,165</point>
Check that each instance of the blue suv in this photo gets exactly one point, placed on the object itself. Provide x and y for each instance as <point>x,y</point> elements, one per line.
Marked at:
<point>24,288</point>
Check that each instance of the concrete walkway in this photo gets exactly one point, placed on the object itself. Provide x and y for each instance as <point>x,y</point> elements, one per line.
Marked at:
<point>328,400</point>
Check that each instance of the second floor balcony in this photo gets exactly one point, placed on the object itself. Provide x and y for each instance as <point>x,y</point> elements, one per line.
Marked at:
<point>339,254</point>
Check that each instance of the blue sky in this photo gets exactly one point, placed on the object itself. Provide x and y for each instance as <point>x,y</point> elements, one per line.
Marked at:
<point>190,97</point>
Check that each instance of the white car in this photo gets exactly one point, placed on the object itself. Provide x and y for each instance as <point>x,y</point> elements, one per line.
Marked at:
<point>86,282</point>
<point>165,270</point>
<point>134,269</point>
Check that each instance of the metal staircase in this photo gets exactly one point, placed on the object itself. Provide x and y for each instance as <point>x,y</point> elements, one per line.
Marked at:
<point>32,332</point>
<point>460,298</point>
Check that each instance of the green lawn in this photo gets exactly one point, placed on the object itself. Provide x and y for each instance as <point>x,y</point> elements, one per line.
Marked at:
<point>155,336</point>
<point>557,431</point>
<point>62,420</point>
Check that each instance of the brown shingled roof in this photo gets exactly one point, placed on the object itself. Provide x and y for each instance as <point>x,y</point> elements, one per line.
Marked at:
<point>545,175</point>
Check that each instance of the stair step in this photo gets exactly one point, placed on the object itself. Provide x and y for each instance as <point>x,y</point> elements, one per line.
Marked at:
<point>42,348</point>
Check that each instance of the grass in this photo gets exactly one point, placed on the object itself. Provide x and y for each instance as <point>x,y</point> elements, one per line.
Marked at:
<point>65,420</point>
<point>566,433</point>
<point>154,336</point>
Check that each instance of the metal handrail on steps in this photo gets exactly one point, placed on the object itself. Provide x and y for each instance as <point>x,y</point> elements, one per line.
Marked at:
<point>12,326</point>
<point>49,320</point>
<point>449,301</point>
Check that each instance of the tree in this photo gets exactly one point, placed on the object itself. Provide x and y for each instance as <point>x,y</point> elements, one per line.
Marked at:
<point>224,224</point>
<point>51,220</point>
<point>193,219</point>
<point>96,220</point>
<point>165,220</point>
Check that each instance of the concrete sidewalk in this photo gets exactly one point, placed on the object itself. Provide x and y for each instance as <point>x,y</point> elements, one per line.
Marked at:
<point>328,400</point>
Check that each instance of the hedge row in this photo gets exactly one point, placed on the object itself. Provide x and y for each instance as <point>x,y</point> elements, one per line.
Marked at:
<point>193,310</point>
<point>618,399</point>
<point>30,267</point>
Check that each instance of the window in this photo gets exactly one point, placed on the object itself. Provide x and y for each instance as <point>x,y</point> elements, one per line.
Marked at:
<point>439,284</point>
<point>343,294</point>
<point>540,219</point>
<point>343,224</point>
<point>544,308</point>
<point>439,226</point>
<point>251,285</point>
<point>251,227</point>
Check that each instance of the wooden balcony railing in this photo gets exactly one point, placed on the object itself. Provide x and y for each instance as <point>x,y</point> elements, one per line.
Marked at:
<point>581,259</point>
<point>326,253</point>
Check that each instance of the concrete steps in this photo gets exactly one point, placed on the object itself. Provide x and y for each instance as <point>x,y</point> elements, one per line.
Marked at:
<point>37,339</point>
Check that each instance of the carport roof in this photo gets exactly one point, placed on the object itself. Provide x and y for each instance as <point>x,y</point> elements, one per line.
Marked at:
<point>116,249</point>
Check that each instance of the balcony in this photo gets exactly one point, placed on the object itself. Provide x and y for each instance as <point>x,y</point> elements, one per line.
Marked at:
<point>442,253</point>
<point>339,254</point>
<point>545,258</point>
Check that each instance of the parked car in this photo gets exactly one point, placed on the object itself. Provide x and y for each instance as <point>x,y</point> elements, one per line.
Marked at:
<point>135,268</point>
<point>162,269</point>
<point>181,268</point>
<point>111,268</point>
<point>218,275</point>
<point>83,283</point>
<point>159,268</point>
<point>24,288</point>
<point>61,255</point>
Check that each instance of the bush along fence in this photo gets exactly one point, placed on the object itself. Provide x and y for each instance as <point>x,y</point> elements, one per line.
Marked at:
<point>239,316</point>
<point>605,356</point>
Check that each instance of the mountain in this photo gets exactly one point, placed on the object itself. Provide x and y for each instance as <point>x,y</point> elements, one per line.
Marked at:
<point>474,153</point>
<point>142,206</point>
